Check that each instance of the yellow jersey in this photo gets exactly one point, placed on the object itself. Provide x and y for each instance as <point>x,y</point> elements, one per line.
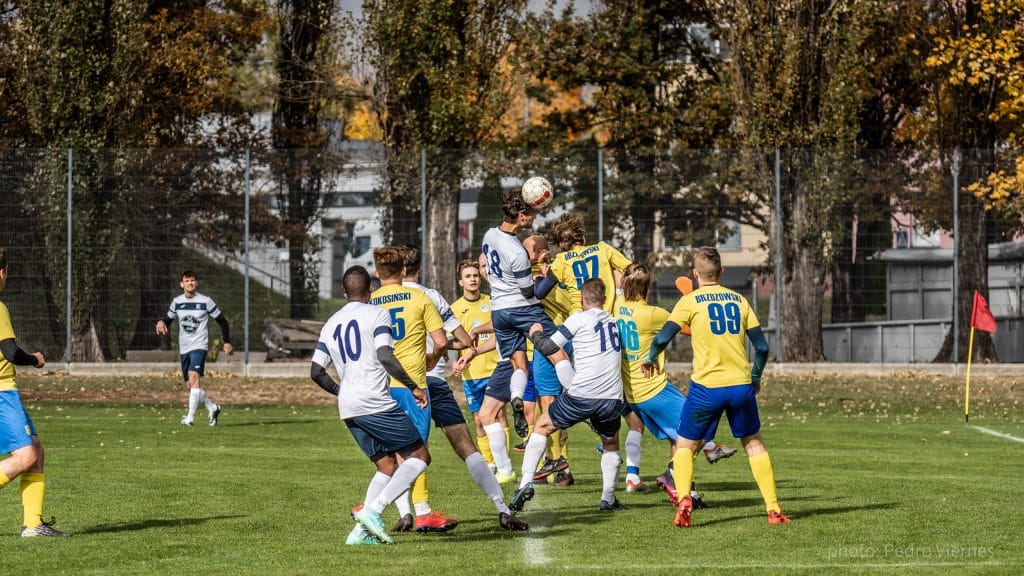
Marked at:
<point>557,304</point>
<point>413,318</point>
<point>718,319</point>
<point>473,313</point>
<point>582,263</point>
<point>6,333</point>
<point>638,322</point>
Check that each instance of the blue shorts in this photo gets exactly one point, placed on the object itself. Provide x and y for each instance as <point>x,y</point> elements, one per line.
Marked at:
<point>660,413</point>
<point>704,407</point>
<point>530,394</point>
<point>384,432</point>
<point>16,428</point>
<point>544,373</point>
<point>420,416</point>
<point>512,325</point>
<point>443,408</point>
<point>499,385</point>
<point>474,391</point>
<point>605,416</point>
<point>194,361</point>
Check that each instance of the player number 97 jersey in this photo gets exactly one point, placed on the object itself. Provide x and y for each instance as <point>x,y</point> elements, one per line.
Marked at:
<point>349,340</point>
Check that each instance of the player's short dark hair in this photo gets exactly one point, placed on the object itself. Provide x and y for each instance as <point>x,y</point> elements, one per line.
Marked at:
<point>356,283</point>
<point>636,282</point>
<point>389,261</point>
<point>512,205</point>
<point>3,258</point>
<point>468,263</point>
<point>708,263</point>
<point>412,258</point>
<point>568,232</point>
<point>189,274</point>
<point>592,292</point>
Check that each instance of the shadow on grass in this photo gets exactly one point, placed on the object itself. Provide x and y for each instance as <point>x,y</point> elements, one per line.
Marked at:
<point>153,523</point>
<point>543,524</point>
<point>266,423</point>
<point>703,487</point>
<point>803,513</point>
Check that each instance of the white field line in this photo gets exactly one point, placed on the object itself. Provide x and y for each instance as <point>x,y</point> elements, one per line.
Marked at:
<point>997,434</point>
<point>639,568</point>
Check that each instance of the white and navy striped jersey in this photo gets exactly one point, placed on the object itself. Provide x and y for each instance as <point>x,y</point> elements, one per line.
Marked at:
<point>349,340</point>
<point>508,269</point>
<point>193,316</point>
<point>596,352</point>
<point>447,316</point>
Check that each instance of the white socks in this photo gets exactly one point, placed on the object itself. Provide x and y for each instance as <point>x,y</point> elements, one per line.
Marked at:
<point>194,397</point>
<point>499,447</point>
<point>535,449</point>
<point>565,373</point>
<point>633,452</point>
<point>210,404</point>
<point>402,479</point>
<point>402,503</point>
<point>377,483</point>
<point>518,383</point>
<point>610,462</point>
<point>481,474</point>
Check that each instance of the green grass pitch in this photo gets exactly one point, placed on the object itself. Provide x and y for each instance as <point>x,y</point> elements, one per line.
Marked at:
<point>880,476</point>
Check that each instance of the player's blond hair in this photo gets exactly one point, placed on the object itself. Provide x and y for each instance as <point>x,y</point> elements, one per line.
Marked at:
<point>592,292</point>
<point>468,263</point>
<point>636,282</point>
<point>708,263</point>
<point>390,261</point>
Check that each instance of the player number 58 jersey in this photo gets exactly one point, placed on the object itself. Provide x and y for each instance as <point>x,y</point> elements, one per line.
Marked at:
<point>349,340</point>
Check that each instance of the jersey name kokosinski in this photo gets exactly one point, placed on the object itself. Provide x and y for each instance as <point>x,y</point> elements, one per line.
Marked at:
<point>597,355</point>
<point>349,340</point>
<point>450,324</point>
<point>193,320</point>
<point>508,270</point>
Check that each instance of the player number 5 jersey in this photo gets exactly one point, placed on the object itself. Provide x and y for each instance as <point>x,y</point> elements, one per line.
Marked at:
<point>349,340</point>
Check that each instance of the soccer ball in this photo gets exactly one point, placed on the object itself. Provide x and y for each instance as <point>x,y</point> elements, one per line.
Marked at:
<point>537,192</point>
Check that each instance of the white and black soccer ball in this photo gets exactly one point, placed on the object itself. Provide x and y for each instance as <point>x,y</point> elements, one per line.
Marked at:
<point>537,192</point>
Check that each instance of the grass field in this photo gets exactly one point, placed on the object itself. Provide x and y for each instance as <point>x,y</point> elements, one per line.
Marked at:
<point>878,476</point>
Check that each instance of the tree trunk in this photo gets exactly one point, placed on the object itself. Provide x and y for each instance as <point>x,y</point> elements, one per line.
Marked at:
<point>85,343</point>
<point>638,173</point>
<point>803,284</point>
<point>440,255</point>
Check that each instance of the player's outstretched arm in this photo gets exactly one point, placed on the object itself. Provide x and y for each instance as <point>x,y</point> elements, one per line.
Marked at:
<point>319,375</point>
<point>15,355</point>
<point>661,341</point>
<point>760,343</point>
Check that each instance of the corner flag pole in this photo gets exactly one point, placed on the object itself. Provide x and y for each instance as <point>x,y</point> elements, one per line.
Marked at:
<point>967,390</point>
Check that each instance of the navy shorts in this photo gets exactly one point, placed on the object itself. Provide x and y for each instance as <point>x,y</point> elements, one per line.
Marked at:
<point>704,407</point>
<point>605,416</point>
<point>194,361</point>
<point>512,325</point>
<point>16,428</point>
<point>384,432</point>
<point>443,408</point>
<point>499,386</point>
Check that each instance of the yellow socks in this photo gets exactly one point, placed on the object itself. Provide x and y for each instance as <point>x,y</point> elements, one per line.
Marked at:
<point>555,444</point>
<point>682,471</point>
<point>420,493</point>
<point>484,445</point>
<point>764,475</point>
<point>508,437</point>
<point>33,489</point>
<point>4,480</point>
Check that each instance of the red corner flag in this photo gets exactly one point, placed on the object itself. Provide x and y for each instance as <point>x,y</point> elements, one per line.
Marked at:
<point>981,316</point>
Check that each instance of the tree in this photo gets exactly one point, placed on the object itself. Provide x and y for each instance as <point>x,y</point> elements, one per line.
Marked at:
<point>797,73</point>
<point>443,76</point>
<point>99,76</point>
<point>973,80</point>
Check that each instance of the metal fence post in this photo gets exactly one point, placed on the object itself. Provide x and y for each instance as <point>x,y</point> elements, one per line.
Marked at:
<point>600,194</point>
<point>67,288</point>
<point>956,256</point>
<point>246,246</point>
<point>778,256</point>
<point>423,209</point>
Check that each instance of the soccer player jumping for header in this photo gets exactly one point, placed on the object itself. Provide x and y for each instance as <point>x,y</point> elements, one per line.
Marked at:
<point>722,380</point>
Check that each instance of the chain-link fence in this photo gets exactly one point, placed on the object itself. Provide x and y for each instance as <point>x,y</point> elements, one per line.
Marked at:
<point>861,242</point>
